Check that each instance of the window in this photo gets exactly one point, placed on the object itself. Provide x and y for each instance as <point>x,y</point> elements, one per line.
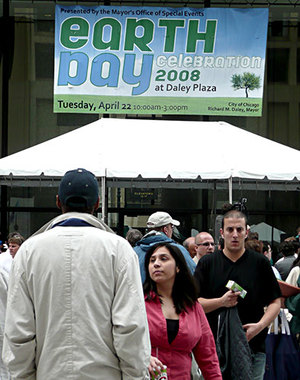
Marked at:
<point>44,60</point>
<point>277,65</point>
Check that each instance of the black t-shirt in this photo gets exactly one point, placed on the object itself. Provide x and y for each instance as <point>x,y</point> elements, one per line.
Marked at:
<point>253,272</point>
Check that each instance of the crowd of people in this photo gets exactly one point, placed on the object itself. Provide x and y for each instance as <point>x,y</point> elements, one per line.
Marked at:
<point>79,302</point>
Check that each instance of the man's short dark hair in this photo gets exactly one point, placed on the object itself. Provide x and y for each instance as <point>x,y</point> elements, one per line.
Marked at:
<point>236,214</point>
<point>287,248</point>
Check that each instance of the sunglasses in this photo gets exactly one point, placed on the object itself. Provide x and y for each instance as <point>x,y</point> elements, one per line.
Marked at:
<point>206,244</point>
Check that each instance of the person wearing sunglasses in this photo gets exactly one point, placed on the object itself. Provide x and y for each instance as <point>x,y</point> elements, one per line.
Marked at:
<point>204,245</point>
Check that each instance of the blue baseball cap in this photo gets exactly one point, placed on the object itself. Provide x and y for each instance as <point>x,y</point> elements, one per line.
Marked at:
<point>78,188</point>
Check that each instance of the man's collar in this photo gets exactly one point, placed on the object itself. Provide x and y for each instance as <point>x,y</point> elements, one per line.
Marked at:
<point>232,256</point>
<point>153,233</point>
<point>90,219</point>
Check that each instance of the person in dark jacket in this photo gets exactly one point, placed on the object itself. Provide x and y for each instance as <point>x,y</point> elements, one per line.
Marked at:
<point>160,225</point>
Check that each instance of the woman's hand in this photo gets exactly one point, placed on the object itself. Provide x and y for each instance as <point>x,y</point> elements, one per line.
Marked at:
<point>155,366</point>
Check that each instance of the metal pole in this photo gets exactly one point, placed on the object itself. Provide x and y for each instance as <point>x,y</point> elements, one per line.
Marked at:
<point>230,189</point>
<point>103,199</point>
<point>4,133</point>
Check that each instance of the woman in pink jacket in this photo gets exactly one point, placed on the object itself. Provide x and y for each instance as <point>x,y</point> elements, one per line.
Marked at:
<point>177,323</point>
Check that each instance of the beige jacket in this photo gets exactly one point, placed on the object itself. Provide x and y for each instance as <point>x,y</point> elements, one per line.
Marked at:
<point>75,307</point>
<point>5,265</point>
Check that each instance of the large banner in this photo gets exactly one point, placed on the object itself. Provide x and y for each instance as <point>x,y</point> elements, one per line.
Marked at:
<point>150,60</point>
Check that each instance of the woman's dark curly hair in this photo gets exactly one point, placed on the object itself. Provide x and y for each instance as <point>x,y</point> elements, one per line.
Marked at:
<point>184,293</point>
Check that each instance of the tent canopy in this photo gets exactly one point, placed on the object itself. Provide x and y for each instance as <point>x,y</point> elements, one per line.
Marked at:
<point>181,151</point>
<point>267,232</point>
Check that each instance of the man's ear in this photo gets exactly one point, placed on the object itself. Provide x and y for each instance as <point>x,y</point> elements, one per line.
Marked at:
<point>58,203</point>
<point>222,233</point>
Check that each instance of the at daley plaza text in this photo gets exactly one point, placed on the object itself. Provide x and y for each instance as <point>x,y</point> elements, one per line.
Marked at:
<point>76,32</point>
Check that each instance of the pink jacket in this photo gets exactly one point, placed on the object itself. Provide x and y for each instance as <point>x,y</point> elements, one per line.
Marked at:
<point>194,335</point>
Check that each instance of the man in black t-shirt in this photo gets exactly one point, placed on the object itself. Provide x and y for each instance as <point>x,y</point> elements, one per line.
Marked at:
<point>252,271</point>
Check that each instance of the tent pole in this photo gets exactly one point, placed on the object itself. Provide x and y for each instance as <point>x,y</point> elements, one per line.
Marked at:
<point>230,189</point>
<point>6,47</point>
<point>272,237</point>
<point>103,199</point>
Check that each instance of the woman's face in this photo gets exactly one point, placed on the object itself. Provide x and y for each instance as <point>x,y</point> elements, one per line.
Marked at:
<point>13,248</point>
<point>162,266</point>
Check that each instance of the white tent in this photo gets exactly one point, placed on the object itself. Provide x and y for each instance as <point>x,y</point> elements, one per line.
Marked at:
<point>126,148</point>
<point>159,153</point>
<point>266,232</point>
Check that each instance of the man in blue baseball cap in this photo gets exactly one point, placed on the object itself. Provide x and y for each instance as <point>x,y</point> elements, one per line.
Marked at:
<point>75,304</point>
<point>78,189</point>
